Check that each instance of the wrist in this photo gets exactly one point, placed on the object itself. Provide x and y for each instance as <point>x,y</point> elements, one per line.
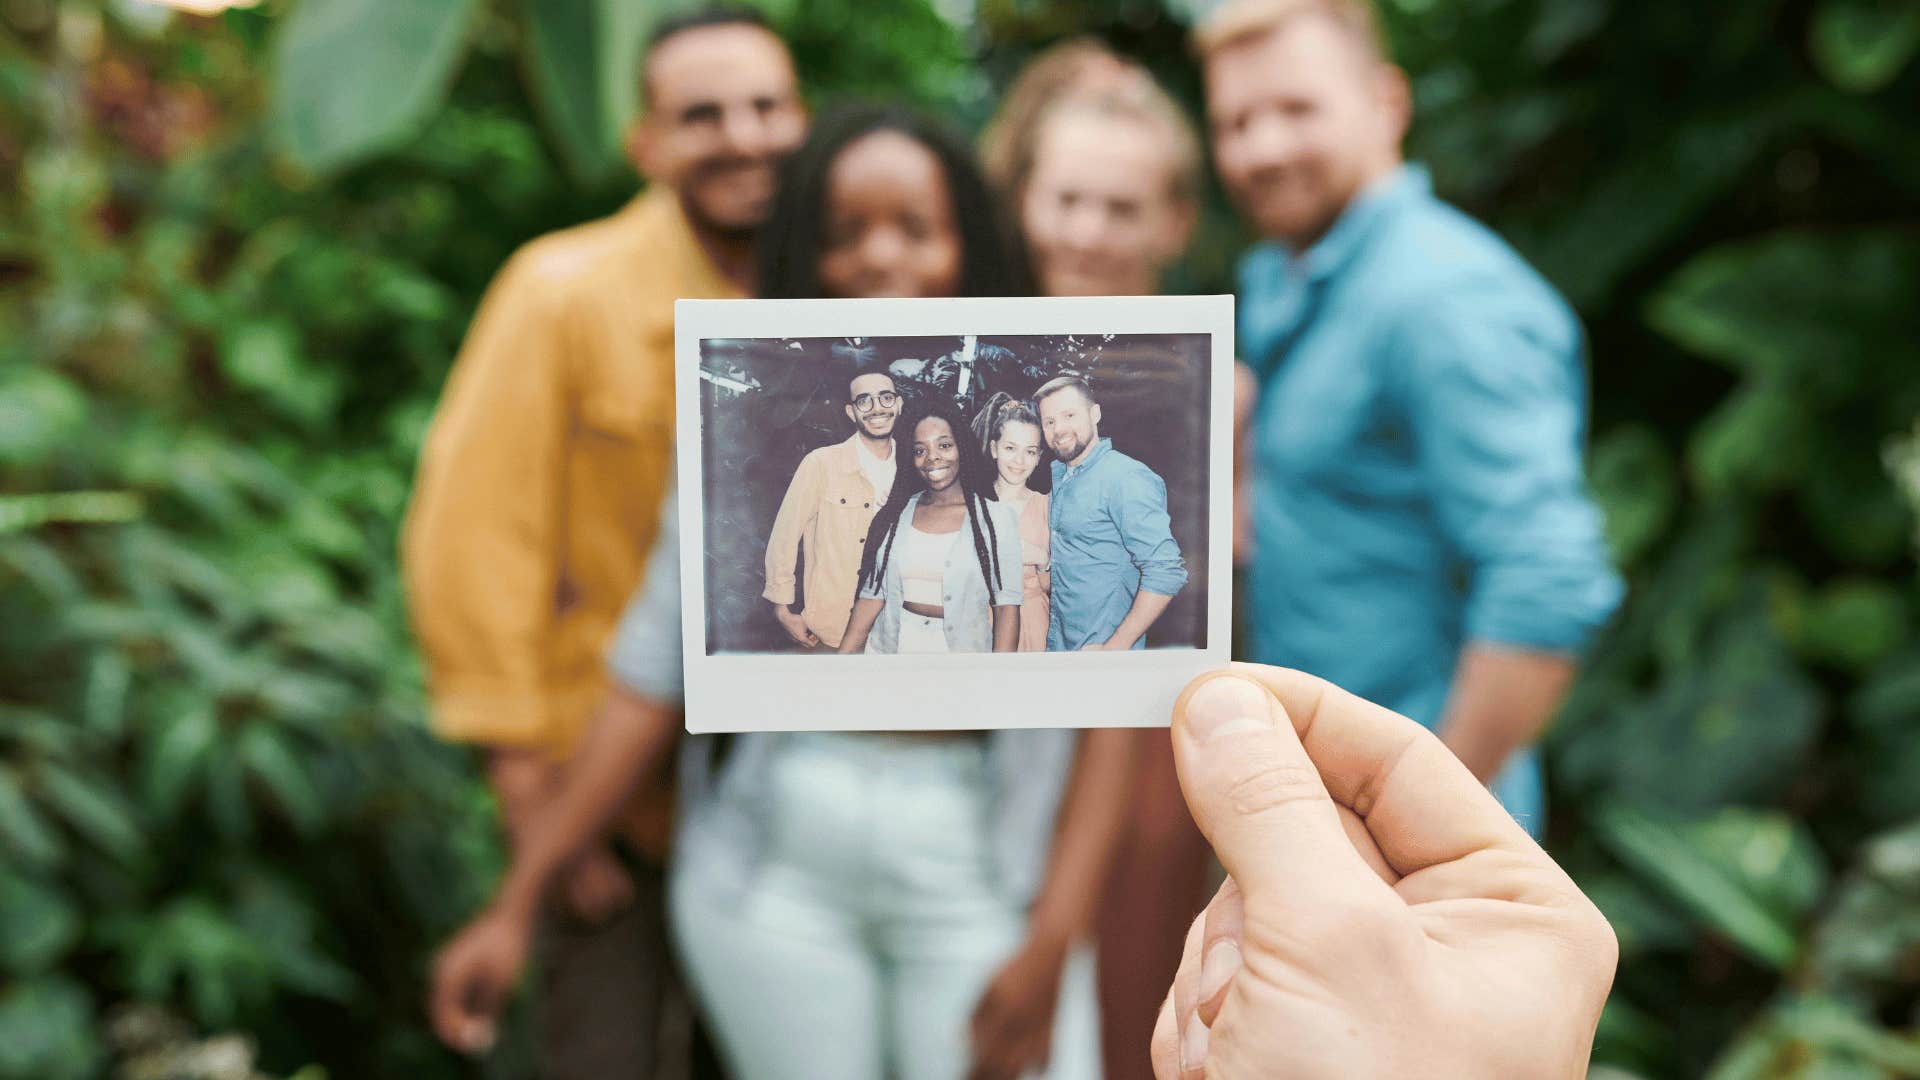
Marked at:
<point>1051,928</point>
<point>519,898</point>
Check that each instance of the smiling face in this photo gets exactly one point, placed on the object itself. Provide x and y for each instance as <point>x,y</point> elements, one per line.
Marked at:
<point>1070,423</point>
<point>1016,453</point>
<point>723,108</point>
<point>1304,116</point>
<point>936,453</point>
<point>1099,210</point>
<point>873,404</point>
<point>889,228</point>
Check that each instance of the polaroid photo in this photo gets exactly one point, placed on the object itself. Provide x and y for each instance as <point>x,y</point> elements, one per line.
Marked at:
<point>952,514</point>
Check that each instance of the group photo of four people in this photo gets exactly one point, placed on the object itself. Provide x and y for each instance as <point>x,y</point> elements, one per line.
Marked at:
<point>1007,902</point>
<point>924,532</point>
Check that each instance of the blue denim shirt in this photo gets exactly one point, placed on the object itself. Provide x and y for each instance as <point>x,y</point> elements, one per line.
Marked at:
<point>1418,453</point>
<point>724,812</point>
<point>968,599</point>
<point>1111,539</point>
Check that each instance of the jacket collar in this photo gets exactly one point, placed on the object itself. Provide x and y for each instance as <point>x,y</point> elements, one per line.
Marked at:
<point>1358,223</point>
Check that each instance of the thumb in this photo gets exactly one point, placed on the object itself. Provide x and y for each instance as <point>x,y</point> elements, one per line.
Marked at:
<point>1258,797</point>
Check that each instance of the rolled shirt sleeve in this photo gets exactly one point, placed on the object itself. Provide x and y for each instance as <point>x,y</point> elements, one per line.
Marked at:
<point>645,655</point>
<point>1146,531</point>
<point>1497,403</point>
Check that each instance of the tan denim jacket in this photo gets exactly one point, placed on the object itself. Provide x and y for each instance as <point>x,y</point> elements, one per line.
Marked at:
<point>828,508</point>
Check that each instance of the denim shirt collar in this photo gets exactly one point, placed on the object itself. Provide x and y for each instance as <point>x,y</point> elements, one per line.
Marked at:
<point>1356,223</point>
<point>1101,446</point>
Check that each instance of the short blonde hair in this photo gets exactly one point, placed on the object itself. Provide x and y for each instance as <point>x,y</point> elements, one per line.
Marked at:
<point>1235,21</point>
<point>1084,76</point>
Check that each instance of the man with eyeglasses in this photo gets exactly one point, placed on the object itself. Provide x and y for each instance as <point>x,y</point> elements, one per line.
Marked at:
<point>834,494</point>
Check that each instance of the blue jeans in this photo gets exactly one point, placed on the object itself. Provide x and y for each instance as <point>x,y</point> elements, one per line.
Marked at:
<point>870,925</point>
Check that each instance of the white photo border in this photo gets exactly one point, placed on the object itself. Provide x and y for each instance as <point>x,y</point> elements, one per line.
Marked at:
<point>733,692</point>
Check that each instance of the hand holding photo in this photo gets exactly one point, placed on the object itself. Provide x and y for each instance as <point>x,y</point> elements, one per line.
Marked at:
<point>939,514</point>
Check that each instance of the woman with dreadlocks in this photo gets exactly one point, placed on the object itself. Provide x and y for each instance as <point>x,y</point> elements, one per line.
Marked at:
<point>916,905</point>
<point>940,571</point>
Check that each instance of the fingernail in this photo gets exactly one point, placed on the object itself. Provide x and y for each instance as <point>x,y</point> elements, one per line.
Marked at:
<point>1193,1044</point>
<point>1226,705</point>
<point>1217,967</point>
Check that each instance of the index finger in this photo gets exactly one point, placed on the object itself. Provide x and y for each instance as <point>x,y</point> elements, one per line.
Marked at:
<point>1420,804</point>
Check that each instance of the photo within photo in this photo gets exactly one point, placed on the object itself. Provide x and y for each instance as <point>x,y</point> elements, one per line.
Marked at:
<point>927,494</point>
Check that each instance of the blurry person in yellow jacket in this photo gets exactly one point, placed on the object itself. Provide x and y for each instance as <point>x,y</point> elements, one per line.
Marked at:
<point>539,489</point>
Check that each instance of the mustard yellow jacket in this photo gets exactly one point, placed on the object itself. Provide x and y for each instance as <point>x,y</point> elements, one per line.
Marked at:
<point>540,483</point>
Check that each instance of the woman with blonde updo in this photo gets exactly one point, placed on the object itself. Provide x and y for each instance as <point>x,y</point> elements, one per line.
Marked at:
<point>1009,432</point>
<point>1102,169</point>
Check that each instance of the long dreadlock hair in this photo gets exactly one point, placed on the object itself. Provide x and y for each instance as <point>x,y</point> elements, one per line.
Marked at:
<point>976,486</point>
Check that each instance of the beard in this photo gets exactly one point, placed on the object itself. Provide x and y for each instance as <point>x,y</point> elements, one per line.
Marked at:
<point>1068,446</point>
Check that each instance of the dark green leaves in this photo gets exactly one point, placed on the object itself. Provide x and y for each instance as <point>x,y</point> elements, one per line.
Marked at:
<point>1747,875</point>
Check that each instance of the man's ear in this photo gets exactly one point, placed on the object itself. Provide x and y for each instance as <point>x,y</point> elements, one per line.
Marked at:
<point>1396,99</point>
<point>1095,413</point>
<point>642,144</point>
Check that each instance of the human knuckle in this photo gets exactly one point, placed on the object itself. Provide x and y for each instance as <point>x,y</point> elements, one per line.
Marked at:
<point>1265,784</point>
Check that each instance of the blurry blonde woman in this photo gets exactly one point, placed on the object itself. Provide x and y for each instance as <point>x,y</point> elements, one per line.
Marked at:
<point>1103,169</point>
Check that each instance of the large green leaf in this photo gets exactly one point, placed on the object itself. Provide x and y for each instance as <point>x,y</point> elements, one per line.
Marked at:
<point>1826,307</point>
<point>582,59</point>
<point>1862,45</point>
<point>352,78</point>
<point>1748,874</point>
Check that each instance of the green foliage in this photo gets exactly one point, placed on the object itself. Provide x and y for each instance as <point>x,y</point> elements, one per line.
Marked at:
<point>354,77</point>
<point>238,253</point>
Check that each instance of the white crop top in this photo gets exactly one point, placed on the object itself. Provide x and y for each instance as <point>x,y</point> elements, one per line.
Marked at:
<point>923,563</point>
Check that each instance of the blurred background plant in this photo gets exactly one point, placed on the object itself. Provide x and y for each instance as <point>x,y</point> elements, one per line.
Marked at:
<point>237,252</point>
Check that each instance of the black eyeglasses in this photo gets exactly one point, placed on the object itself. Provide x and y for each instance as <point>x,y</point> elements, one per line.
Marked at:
<point>885,399</point>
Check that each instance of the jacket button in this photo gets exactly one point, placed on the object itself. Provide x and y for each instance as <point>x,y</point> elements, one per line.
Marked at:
<point>843,502</point>
<point>866,506</point>
<point>863,539</point>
